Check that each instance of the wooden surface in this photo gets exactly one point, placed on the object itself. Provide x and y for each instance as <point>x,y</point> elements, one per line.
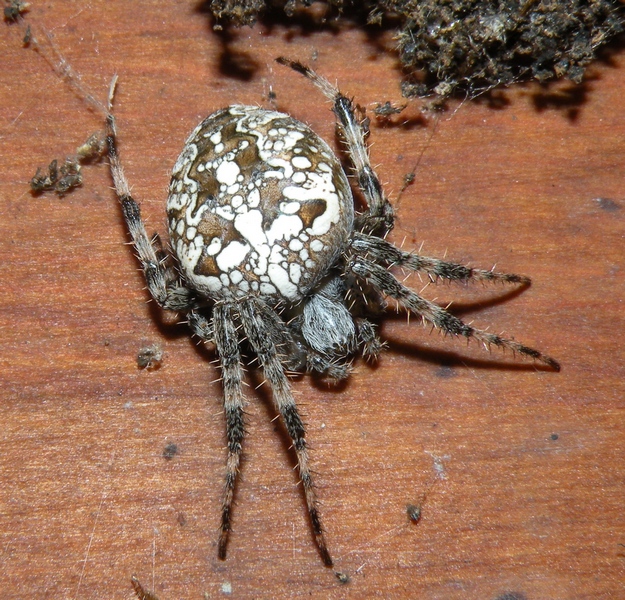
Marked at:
<point>522,469</point>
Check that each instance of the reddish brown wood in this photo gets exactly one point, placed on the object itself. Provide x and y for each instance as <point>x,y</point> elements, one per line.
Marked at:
<point>530,499</point>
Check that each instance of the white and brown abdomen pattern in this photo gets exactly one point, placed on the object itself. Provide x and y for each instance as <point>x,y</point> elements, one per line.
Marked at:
<point>258,204</point>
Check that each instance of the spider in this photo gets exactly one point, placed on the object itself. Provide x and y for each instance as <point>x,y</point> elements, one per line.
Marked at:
<point>269,251</point>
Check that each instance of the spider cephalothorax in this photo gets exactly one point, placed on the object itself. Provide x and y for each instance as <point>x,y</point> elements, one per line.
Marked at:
<point>268,248</point>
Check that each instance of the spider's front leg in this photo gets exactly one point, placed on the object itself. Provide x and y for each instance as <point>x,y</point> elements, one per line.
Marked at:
<point>379,277</point>
<point>168,295</point>
<point>379,217</point>
<point>384,253</point>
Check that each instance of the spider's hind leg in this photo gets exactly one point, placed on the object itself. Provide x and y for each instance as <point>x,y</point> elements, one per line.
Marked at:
<point>222,331</point>
<point>384,253</point>
<point>258,322</point>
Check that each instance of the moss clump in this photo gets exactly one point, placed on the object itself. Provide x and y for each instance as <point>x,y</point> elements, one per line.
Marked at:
<point>475,45</point>
<point>470,46</point>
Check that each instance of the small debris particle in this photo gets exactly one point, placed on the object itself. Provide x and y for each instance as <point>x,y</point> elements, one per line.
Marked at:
<point>387,109</point>
<point>554,436</point>
<point>93,148</point>
<point>140,591</point>
<point>342,577</point>
<point>65,178</point>
<point>170,451</point>
<point>408,179</point>
<point>414,512</point>
<point>150,357</point>
<point>14,10</point>
<point>59,179</point>
<point>226,588</point>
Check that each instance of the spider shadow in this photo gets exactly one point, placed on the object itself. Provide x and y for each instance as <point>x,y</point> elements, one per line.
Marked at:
<point>403,123</point>
<point>447,360</point>
<point>170,327</point>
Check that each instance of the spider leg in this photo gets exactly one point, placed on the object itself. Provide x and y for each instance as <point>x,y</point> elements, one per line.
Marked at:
<point>382,252</point>
<point>368,339</point>
<point>337,370</point>
<point>258,324</point>
<point>227,344</point>
<point>434,314</point>
<point>354,132</point>
<point>169,296</point>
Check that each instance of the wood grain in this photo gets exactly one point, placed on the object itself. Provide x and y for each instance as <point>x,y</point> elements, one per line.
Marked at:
<point>522,469</point>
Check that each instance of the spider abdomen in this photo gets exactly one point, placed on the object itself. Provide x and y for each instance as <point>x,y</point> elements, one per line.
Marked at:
<point>258,204</point>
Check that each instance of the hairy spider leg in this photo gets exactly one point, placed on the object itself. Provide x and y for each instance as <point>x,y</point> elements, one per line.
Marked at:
<point>379,215</point>
<point>259,321</point>
<point>168,295</point>
<point>382,252</point>
<point>386,283</point>
<point>227,343</point>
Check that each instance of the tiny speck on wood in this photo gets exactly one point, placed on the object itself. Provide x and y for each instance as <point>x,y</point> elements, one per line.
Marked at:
<point>226,588</point>
<point>414,512</point>
<point>607,204</point>
<point>170,451</point>
<point>150,357</point>
<point>342,577</point>
<point>511,596</point>
<point>140,591</point>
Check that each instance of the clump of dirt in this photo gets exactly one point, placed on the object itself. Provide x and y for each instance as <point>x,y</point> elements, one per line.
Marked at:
<point>468,46</point>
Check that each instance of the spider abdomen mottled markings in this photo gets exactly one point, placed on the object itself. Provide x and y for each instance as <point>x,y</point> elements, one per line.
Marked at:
<point>258,205</point>
<point>270,252</point>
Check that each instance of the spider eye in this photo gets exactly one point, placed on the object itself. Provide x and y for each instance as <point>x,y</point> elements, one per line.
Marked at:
<point>258,204</point>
